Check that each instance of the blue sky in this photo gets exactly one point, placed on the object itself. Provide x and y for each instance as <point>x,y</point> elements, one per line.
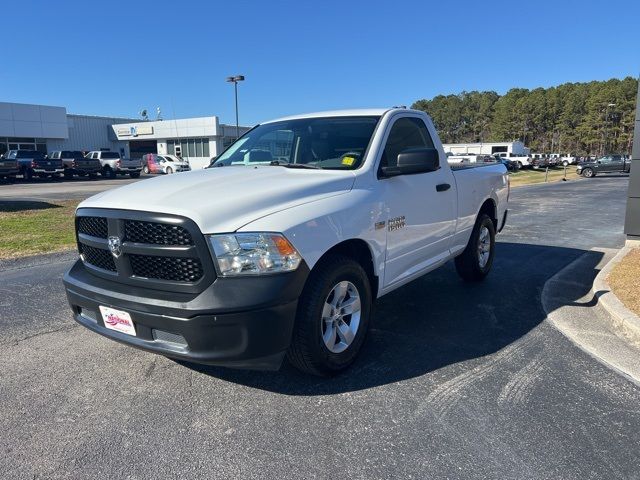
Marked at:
<point>114,58</point>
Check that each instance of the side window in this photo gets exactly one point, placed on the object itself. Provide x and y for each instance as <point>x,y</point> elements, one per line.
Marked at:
<point>605,160</point>
<point>407,132</point>
<point>95,155</point>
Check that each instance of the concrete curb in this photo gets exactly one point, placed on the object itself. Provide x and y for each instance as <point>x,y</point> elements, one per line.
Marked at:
<point>564,298</point>
<point>623,318</point>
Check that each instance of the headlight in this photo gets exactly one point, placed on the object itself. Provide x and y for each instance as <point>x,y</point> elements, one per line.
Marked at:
<point>254,253</point>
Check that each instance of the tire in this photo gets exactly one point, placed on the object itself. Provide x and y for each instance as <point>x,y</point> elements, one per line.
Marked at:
<point>169,171</point>
<point>92,176</point>
<point>314,349</point>
<point>145,169</point>
<point>108,172</point>
<point>588,173</point>
<point>519,163</point>
<point>68,175</point>
<point>469,264</point>
<point>134,174</point>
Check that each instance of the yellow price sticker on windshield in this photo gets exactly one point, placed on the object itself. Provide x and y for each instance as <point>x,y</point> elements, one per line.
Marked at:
<point>348,161</point>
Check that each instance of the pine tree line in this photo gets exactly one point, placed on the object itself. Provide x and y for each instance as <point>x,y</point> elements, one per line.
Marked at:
<point>578,118</point>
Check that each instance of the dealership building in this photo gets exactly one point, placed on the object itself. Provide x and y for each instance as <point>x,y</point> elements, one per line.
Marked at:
<point>47,128</point>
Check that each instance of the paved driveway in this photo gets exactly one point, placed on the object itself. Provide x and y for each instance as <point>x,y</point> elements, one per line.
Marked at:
<point>455,381</point>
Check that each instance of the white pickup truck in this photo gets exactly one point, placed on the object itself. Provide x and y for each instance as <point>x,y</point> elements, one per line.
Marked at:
<point>282,245</point>
<point>112,164</point>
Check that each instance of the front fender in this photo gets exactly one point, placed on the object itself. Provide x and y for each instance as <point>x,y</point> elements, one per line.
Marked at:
<point>315,227</point>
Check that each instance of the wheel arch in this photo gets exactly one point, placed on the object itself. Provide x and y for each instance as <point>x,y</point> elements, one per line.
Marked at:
<point>490,208</point>
<point>360,251</point>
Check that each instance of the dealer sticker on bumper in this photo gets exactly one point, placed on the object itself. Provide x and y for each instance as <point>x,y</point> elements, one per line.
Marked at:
<point>118,320</point>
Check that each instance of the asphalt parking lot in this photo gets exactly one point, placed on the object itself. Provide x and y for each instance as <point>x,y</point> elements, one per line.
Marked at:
<point>48,189</point>
<point>455,381</point>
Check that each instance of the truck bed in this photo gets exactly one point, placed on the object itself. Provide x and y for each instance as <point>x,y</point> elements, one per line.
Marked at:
<point>465,166</point>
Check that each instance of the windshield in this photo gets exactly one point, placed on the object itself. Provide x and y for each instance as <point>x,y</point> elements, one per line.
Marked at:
<point>335,143</point>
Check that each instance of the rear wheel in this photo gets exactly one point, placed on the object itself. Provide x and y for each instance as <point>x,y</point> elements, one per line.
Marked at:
<point>474,263</point>
<point>588,173</point>
<point>108,172</point>
<point>169,171</point>
<point>332,318</point>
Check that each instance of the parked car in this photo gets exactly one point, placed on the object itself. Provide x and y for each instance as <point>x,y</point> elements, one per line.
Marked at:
<point>606,164</point>
<point>75,163</point>
<point>509,164</point>
<point>32,163</point>
<point>522,160</point>
<point>257,258</point>
<point>168,164</point>
<point>567,160</point>
<point>541,162</point>
<point>8,168</point>
<point>112,165</point>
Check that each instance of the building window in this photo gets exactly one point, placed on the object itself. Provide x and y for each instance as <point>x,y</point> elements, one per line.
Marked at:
<point>189,147</point>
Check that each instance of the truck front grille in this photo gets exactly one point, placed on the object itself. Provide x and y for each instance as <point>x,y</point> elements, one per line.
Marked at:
<point>156,233</point>
<point>98,257</point>
<point>93,226</point>
<point>164,252</point>
<point>166,268</point>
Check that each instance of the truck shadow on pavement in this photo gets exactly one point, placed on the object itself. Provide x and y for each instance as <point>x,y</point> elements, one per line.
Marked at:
<point>12,206</point>
<point>436,321</point>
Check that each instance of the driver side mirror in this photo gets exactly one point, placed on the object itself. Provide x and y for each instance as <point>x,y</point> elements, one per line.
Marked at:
<point>414,160</point>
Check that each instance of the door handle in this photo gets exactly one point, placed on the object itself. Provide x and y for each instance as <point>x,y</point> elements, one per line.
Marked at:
<point>442,187</point>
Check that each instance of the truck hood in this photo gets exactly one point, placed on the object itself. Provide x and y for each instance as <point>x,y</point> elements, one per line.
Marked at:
<point>224,199</point>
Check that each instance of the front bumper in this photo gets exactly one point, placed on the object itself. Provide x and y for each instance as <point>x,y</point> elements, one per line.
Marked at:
<point>235,322</point>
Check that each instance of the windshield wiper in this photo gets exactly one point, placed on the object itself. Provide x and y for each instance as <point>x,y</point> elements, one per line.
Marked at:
<point>278,163</point>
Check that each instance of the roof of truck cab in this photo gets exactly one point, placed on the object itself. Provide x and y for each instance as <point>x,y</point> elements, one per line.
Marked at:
<point>363,112</point>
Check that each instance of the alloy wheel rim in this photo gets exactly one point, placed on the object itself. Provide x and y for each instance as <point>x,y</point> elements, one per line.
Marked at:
<point>484,247</point>
<point>341,315</point>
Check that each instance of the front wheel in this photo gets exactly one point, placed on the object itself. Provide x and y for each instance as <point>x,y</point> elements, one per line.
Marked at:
<point>588,173</point>
<point>332,318</point>
<point>474,263</point>
<point>169,171</point>
<point>145,169</point>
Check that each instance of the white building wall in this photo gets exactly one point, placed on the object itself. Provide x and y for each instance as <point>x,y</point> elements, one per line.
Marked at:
<point>486,148</point>
<point>33,121</point>
<point>87,132</point>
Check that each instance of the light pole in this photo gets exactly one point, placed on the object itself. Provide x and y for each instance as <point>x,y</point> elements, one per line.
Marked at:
<point>235,79</point>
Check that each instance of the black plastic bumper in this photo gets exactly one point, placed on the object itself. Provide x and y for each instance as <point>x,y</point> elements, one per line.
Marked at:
<point>235,322</point>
